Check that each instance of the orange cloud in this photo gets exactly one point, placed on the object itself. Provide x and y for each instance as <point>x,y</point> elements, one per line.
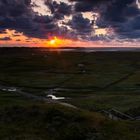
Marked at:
<point>18,39</point>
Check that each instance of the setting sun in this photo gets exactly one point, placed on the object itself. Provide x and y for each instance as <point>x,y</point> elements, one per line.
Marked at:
<point>52,42</point>
<point>55,42</point>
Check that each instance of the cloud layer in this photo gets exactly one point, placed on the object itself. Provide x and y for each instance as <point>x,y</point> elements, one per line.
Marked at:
<point>66,18</point>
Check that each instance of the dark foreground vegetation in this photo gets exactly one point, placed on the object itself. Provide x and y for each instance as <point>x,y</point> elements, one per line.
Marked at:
<point>49,122</point>
<point>93,82</point>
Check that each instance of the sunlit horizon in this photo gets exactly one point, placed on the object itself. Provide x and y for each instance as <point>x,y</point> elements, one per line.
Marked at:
<point>17,39</point>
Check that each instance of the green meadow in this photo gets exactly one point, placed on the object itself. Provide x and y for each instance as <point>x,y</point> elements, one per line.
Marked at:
<point>92,81</point>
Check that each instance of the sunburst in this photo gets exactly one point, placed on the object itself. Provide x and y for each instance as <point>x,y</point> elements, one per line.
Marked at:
<point>54,42</point>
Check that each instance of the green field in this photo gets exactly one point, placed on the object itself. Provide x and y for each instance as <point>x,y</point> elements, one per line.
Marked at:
<point>92,81</point>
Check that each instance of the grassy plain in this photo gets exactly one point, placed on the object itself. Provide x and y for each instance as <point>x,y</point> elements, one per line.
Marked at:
<point>92,81</point>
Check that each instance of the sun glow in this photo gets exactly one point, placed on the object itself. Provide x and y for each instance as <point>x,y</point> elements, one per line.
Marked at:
<point>52,42</point>
<point>55,42</point>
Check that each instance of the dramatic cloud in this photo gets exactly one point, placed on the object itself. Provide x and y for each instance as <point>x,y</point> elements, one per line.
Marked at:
<point>121,15</point>
<point>81,25</point>
<point>5,39</point>
<point>67,18</point>
<point>18,15</point>
<point>58,10</point>
<point>87,5</point>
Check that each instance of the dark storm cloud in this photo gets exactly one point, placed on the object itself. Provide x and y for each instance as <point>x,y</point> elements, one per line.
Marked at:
<point>121,15</point>
<point>80,24</point>
<point>130,29</point>
<point>43,19</point>
<point>118,10</point>
<point>18,15</point>
<point>5,39</point>
<point>87,5</point>
<point>14,8</point>
<point>15,14</point>
<point>58,10</point>
<point>111,10</point>
<point>83,7</point>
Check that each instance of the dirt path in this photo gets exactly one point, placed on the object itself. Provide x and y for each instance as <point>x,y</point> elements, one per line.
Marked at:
<point>44,99</point>
<point>35,97</point>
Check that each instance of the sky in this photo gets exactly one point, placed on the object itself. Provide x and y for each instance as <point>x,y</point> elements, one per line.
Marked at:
<point>74,23</point>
